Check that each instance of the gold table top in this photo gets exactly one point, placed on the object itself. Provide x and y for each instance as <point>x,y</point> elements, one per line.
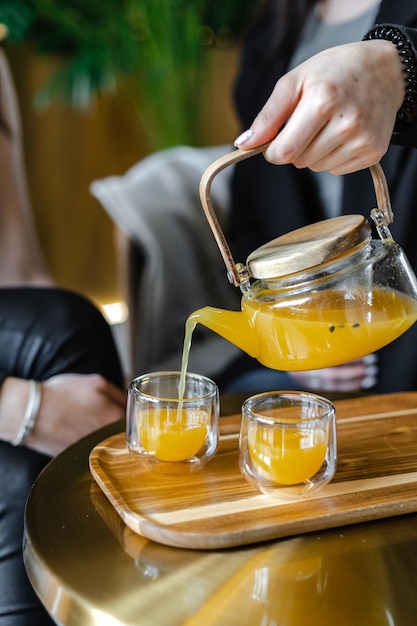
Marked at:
<point>89,568</point>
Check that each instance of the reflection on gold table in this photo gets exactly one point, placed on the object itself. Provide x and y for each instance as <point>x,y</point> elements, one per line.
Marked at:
<point>89,568</point>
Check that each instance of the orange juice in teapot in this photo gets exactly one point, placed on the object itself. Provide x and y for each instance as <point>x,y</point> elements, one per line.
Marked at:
<point>320,334</point>
<point>336,317</point>
<point>319,296</point>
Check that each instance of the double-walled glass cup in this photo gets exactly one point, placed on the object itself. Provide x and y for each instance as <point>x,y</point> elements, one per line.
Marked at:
<point>167,424</point>
<point>287,444</point>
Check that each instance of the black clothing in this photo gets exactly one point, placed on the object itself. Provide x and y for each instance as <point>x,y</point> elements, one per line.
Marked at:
<point>270,200</point>
<point>43,332</point>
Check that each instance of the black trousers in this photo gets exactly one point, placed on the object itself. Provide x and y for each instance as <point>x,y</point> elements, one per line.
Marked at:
<point>43,332</point>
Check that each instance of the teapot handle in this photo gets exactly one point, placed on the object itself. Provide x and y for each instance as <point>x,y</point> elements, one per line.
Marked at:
<point>234,271</point>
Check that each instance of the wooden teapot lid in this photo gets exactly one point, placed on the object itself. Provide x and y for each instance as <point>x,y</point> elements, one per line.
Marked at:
<point>308,247</point>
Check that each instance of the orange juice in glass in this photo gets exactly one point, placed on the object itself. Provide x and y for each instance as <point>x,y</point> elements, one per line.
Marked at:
<point>169,424</point>
<point>287,444</point>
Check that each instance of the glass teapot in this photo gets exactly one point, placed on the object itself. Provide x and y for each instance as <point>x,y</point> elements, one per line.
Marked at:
<point>319,296</point>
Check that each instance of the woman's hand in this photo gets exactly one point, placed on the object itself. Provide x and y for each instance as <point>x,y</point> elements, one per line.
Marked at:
<point>336,111</point>
<point>72,406</point>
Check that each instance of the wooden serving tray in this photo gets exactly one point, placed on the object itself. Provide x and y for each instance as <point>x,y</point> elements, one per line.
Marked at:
<point>215,507</point>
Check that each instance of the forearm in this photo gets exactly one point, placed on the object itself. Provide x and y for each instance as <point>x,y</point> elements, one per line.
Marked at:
<point>71,406</point>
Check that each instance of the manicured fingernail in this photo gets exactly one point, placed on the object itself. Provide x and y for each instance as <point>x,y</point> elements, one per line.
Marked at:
<point>243,138</point>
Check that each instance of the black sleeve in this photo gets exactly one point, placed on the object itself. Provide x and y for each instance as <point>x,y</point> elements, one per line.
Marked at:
<point>405,133</point>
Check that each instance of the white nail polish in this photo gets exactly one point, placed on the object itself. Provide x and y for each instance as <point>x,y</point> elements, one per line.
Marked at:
<point>247,134</point>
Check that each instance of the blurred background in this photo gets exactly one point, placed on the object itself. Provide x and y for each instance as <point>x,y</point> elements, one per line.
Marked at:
<point>102,84</point>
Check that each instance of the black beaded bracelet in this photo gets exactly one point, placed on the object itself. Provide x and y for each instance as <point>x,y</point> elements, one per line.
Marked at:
<point>408,110</point>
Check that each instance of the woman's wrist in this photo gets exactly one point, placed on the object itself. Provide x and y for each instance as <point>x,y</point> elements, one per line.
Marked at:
<point>15,402</point>
<point>398,37</point>
<point>31,413</point>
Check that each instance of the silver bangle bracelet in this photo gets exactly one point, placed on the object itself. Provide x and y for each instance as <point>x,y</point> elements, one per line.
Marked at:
<point>31,413</point>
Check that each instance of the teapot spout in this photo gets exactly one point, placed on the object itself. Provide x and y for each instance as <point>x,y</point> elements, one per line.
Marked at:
<point>234,326</point>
